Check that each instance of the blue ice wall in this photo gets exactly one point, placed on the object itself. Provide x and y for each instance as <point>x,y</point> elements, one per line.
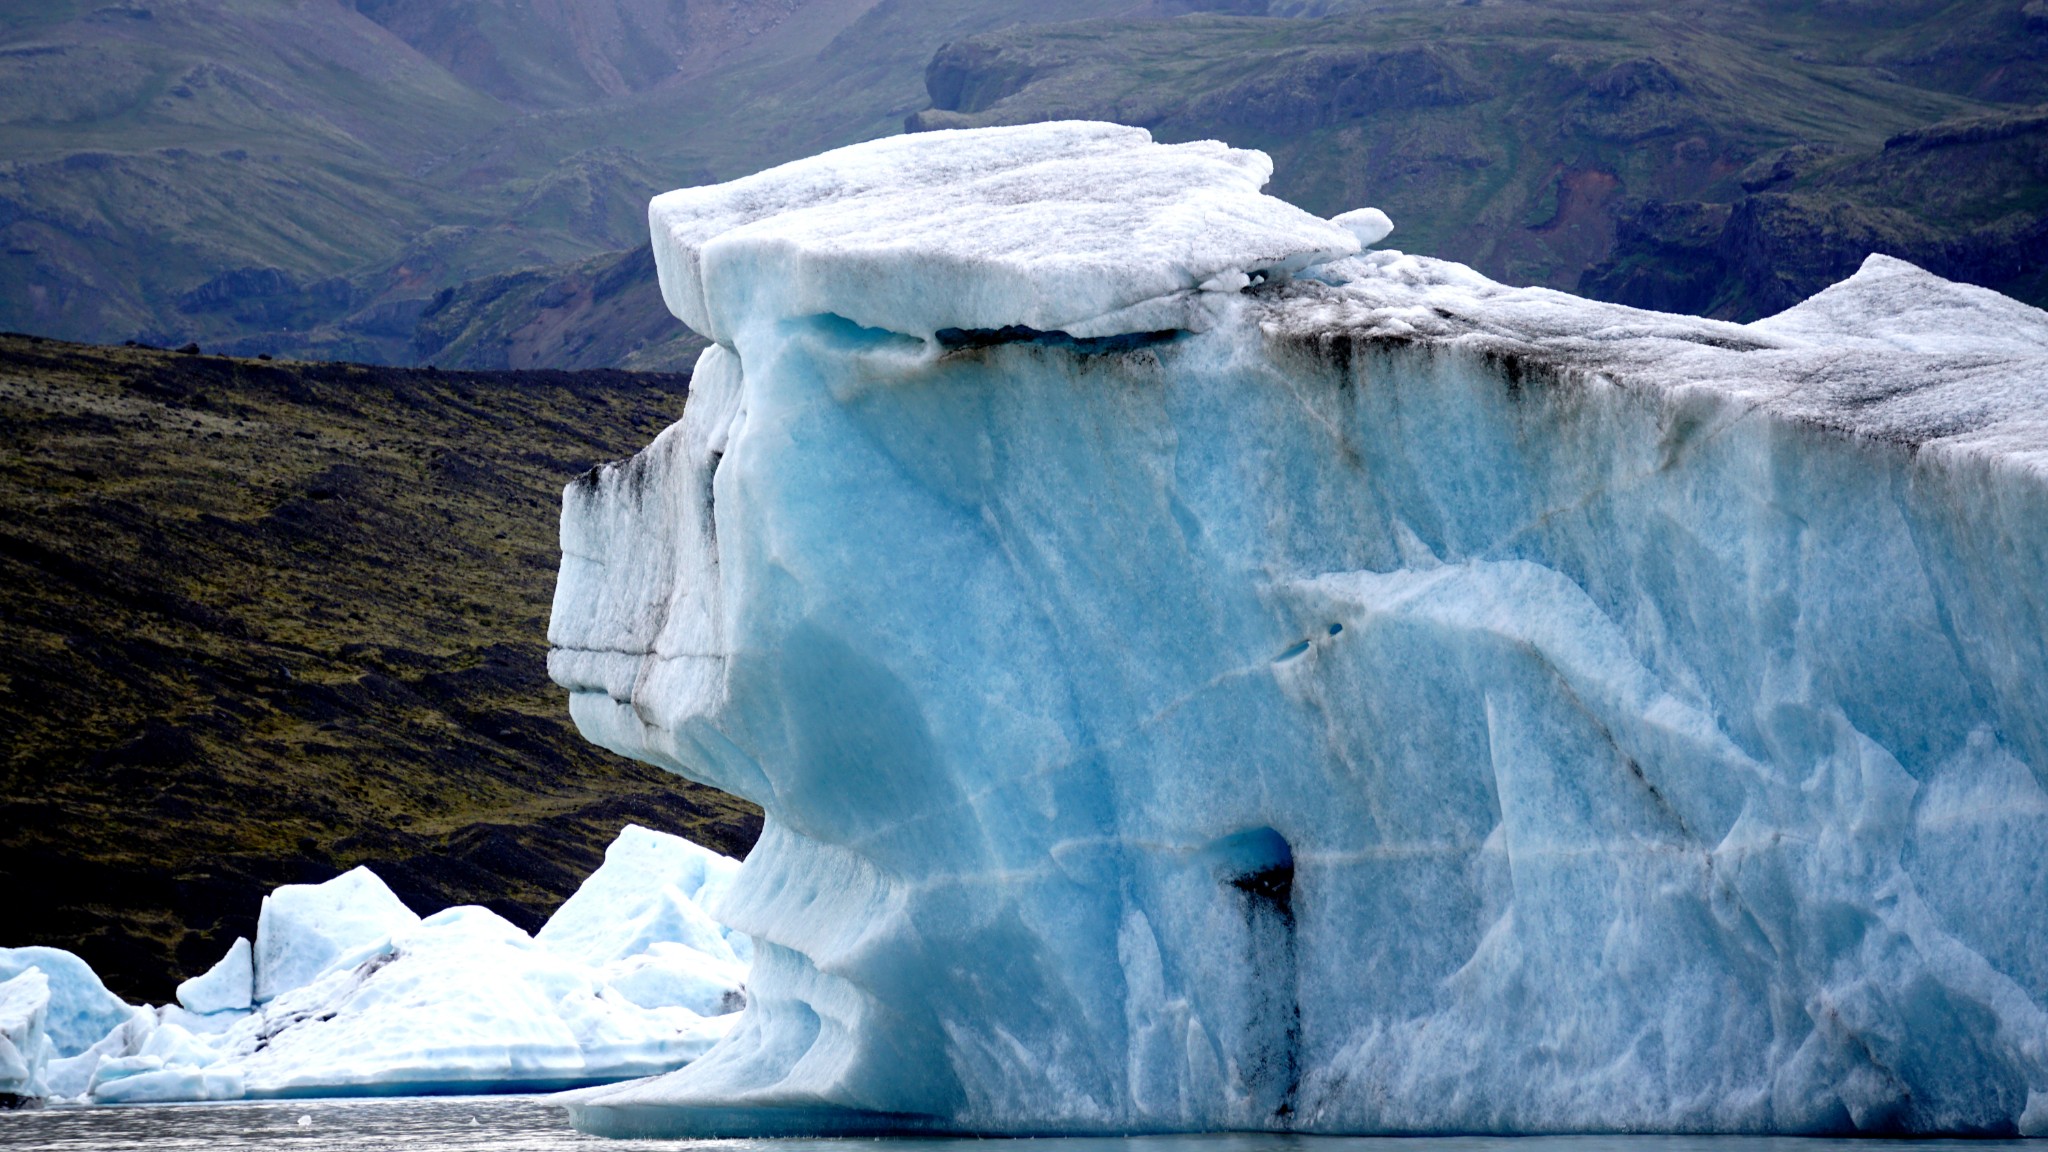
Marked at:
<point>1326,723</point>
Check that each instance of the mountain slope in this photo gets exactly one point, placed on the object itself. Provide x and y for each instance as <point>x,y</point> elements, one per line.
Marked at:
<point>1807,218</point>
<point>310,177</point>
<point>152,149</point>
<point>1499,136</point>
<point>304,177</point>
<point>261,622</point>
<point>1579,145</point>
<point>598,313</point>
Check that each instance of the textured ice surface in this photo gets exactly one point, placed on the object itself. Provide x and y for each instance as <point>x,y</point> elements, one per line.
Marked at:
<point>1407,704</point>
<point>650,891</point>
<point>304,928</point>
<point>24,1036</point>
<point>1090,229</point>
<point>81,1009</point>
<point>631,978</point>
<point>228,986</point>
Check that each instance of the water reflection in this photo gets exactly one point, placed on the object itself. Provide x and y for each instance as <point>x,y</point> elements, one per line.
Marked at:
<point>527,1124</point>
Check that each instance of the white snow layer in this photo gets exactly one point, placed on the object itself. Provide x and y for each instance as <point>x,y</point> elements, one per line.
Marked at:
<point>1395,702</point>
<point>1089,229</point>
<point>630,977</point>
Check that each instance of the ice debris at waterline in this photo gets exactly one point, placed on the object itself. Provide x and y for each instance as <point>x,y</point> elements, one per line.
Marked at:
<point>1375,699</point>
<point>346,991</point>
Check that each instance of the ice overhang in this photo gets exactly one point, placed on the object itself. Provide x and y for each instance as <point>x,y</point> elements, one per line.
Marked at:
<point>1086,229</point>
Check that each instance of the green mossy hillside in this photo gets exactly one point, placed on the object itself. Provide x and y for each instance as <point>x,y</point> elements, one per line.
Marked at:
<point>261,622</point>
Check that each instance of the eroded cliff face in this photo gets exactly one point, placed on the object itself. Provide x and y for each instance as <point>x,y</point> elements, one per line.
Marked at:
<point>1373,700</point>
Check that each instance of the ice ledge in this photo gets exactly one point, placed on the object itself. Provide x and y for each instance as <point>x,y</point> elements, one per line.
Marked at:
<point>1893,353</point>
<point>1087,229</point>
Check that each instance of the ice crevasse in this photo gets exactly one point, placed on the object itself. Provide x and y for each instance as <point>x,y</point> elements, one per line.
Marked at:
<point>1200,674</point>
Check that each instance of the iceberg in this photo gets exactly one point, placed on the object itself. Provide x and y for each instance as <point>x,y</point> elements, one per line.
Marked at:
<point>303,929</point>
<point>24,1042</point>
<point>1203,674</point>
<point>630,978</point>
<point>228,986</point>
<point>81,1011</point>
<point>649,894</point>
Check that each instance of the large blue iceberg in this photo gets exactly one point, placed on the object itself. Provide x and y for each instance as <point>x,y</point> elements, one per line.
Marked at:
<point>1200,675</point>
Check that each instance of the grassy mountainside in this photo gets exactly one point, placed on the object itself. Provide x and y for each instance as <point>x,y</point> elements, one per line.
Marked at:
<point>463,181</point>
<point>264,621</point>
<point>152,148</point>
<point>1726,161</point>
<point>598,313</point>
<point>1967,199</point>
<point>1509,136</point>
<point>305,177</point>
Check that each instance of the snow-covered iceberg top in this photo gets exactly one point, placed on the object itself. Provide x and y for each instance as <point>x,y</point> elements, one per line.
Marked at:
<point>1084,228</point>
<point>1893,353</point>
<point>347,991</point>
<point>1400,702</point>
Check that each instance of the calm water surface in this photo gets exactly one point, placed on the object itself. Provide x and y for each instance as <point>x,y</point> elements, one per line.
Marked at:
<point>526,1124</point>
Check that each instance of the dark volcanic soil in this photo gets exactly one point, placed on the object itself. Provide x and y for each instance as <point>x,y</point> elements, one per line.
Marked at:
<point>261,622</point>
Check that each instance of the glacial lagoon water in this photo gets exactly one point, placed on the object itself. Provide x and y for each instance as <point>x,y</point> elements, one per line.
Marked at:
<point>530,1124</point>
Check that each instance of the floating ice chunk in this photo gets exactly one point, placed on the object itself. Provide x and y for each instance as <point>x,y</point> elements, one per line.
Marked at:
<point>24,1041</point>
<point>369,998</point>
<point>70,1077</point>
<point>461,1002</point>
<point>1053,227</point>
<point>640,896</point>
<point>637,979</point>
<point>228,986</point>
<point>81,1009</point>
<point>304,928</point>
<point>462,998</point>
<point>147,1080</point>
<point>675,975</point>
<point>171,1063</point>
<point>1370,225</point>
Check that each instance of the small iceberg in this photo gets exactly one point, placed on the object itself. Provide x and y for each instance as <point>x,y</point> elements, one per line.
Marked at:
<point>346,991</point>
<point>24,1039</point>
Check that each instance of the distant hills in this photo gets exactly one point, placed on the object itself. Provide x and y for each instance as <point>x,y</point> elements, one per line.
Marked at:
<point>1965,198</point>
<point>306,177</point>
<point>1727,159</point>
<point>604,312</point>
<point>463,183</point>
